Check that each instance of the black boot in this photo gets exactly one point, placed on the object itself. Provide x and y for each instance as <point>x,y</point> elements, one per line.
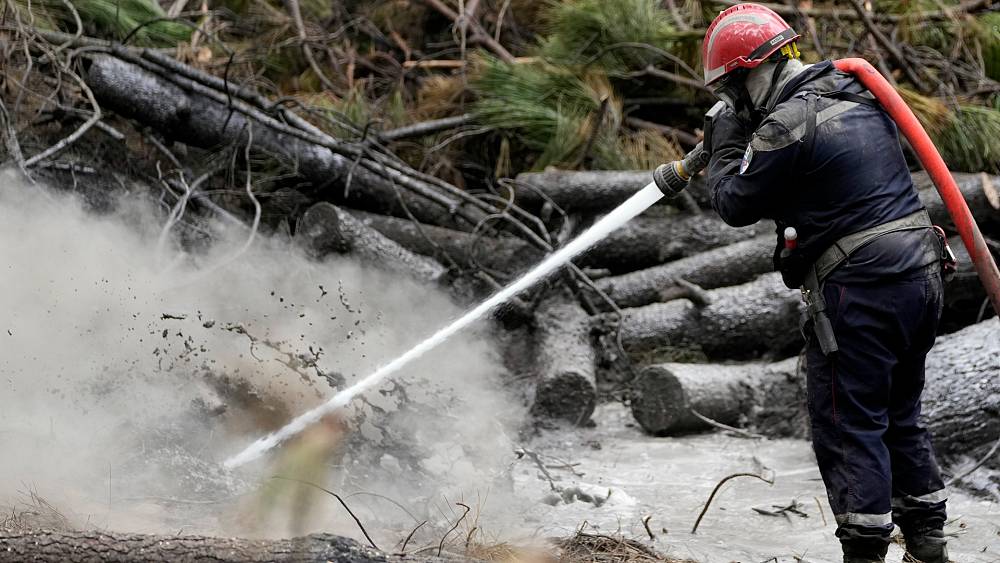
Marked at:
<point>927,547</point>
<point>865,551</point>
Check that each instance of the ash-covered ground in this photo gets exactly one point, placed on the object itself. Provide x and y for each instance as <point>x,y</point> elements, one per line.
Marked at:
<point>631,475</point>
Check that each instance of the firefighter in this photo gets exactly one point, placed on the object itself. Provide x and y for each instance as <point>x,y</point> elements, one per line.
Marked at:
<point>807,146</point>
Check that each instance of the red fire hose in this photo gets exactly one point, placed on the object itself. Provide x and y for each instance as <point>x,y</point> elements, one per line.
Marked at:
<point>936,168</point>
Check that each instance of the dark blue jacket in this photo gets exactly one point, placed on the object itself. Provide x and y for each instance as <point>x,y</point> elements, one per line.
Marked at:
<point>850,177</point>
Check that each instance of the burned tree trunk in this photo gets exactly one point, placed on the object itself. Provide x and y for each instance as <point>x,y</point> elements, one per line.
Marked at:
<point>667,398</point>
<point>981,192</point>
<point>324,229</point>
<point>744,321</point>
<point>186,111</point>
<point>961,401</point>
<point>45,546</point>
<point>565,361</point>
<point>649,241</point>
<point>962,395</point>
<point>720,267</point>
<point>580,191</point>
<point>591,191</point>
<point>502,255</point>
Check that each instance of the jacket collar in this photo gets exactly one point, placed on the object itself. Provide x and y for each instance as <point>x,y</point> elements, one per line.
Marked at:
<point>801,80</point>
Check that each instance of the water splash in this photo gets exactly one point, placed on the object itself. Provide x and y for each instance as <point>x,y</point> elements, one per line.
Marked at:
<point>618,217</point>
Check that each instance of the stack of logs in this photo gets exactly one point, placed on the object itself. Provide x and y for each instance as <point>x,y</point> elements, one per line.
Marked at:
<point>674,284</point>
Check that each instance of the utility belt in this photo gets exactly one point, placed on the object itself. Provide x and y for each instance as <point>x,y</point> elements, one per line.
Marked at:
<point>840,251</point>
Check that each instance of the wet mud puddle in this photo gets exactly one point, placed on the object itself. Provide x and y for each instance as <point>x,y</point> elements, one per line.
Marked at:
<point>612,476</point>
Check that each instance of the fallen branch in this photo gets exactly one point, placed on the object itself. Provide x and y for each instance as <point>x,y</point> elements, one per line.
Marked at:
<point>987,457</point>
<point>201,116</point>
<point>339,499</point>
<point>889,46</point>
<point>326,229</point>
<point>457,522</point>
<point>478,33</point>
<point>716,490</point>
<point>678,135</point>
<point>426,127</point>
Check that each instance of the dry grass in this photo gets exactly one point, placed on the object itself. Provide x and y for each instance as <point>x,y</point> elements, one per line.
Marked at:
<point>34,513</point>
<point>601,548</point>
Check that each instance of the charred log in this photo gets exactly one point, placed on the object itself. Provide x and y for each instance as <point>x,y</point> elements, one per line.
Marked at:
<point>187,114</point>
<point>135,548</point>
<point>744,321</point>
<point>961,401</point>
<point>961,404</point>
<point>725,266</point>
<point>650,241</point>
<point>565,361</point>
<point>591,191</point>
<point>981,191</point>
<point>770,398</point>
<point>325,229</point>
<point>501,255</point>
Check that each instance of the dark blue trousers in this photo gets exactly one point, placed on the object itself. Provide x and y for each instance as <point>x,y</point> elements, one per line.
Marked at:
<point>864,403</point>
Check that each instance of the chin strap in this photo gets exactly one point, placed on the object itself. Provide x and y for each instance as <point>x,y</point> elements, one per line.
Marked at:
<point>768,103</point>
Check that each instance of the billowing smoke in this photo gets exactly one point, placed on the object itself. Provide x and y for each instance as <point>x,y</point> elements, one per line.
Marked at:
<point>132,369</point>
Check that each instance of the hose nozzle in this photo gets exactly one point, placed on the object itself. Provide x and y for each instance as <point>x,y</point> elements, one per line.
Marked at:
<point>673,177</point>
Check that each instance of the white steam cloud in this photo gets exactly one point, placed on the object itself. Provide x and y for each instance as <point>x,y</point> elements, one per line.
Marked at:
<point>129,376</point>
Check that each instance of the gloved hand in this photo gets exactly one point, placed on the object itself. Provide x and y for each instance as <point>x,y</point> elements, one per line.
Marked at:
<point>730,137</point>
<point>729,133</point>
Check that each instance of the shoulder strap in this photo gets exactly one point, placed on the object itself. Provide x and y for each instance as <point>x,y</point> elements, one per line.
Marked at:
<point>809,138</point>
<point>851,97</point>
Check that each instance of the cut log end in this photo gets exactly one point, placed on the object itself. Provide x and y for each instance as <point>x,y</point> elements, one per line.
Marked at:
<point>658,400</point>
<point>569,395</point>
<point>319,232</point>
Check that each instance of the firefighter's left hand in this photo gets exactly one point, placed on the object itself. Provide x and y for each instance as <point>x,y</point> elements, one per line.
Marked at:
<point>730,135</point>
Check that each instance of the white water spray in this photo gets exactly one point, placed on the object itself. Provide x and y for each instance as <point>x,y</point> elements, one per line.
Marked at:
<point>618,217</point>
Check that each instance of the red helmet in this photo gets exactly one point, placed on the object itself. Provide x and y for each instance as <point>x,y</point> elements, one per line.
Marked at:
<point>743,36</point>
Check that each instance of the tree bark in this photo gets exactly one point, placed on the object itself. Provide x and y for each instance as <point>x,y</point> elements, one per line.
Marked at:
<point>81,546</point>
<point>767,397</point>
<point>324,229</point>
<point>978,189</point>
<point>725,266</point>
<point>503,255</point>
<point>566,361</point>
<point>744,321</point>
<point>190,116</point>
<point>591,191</point>
<point>649,241</point>
<point>961,400</point>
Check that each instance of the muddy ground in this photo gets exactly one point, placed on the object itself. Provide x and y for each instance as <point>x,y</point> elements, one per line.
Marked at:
<point>669,479</point>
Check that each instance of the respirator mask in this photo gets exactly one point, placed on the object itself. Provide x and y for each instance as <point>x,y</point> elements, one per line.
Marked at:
<point>732,89</point>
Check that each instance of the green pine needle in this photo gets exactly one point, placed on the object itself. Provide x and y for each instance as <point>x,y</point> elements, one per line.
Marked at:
<point>580,30</point>
<point>110,18</point>
<point>547,107</point>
